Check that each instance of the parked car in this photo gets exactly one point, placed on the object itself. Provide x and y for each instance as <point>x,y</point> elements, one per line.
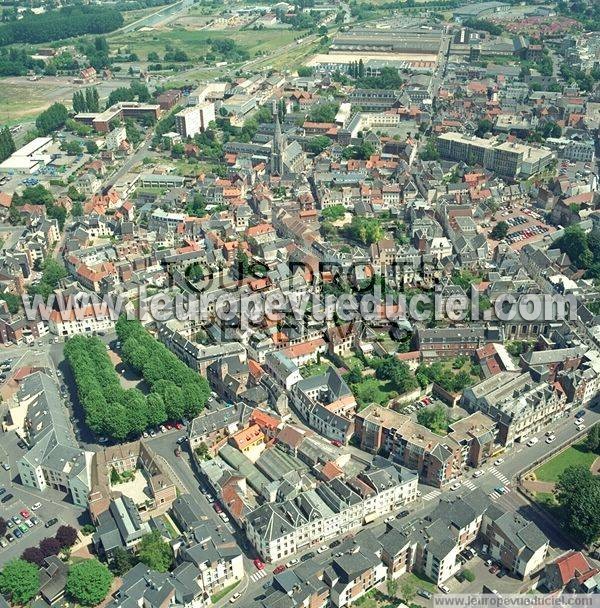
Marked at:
<point>279,569</point>
<point>36,506</point>
<point>307,556</point>
<point>34,520</point>
<point>6,498</point>
<point>550,438</point>
<point>2,491</point>
<point>424,593</point>
<point>402,514</point>
<point>322,549</point>
<point>292,562</point>
<point>443,589</point>
<point>217,507</point>
<point>3,542</point>
<point>10,538</point>
<point>498,462</point>
<point>494,568</point>
<point>51,522</point>
<point>580,414</point>
<point>16,519</point>
<point>25,513</point>
<point>532,441</point>
<point>334,544</point>
<point>6,466</point>
<point>17,533</point>
<point>337,443</point>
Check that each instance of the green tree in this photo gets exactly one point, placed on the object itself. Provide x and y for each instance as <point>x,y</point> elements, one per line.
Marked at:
<point>52,119</point>
<point>20,581</point>
<point>155,552</point>
<point>435,418</point>
<point>592,442</point>
<point>333,213</point>
<point>88,582</point>
<point>122,561</point>
<point>316,145</point>
<point>499,231</point>
<point>578,493</point>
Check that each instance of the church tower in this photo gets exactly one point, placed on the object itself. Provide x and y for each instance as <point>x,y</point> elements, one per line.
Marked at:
<point>278,147</point>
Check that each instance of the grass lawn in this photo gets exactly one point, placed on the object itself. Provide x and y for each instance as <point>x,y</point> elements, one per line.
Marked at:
<point>18,101</point>
<point>221,594</point>
<point>314,369</point>
<point>416,580</point>
<point>195,43</point>
<point>372,390</point>
<point>576,455</point>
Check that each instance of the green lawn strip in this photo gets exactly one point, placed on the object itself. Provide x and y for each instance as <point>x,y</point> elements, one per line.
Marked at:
<point>576,455</point>
<point>221,594</point>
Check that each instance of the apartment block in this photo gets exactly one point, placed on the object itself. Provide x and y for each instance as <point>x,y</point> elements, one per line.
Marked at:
<point>505,158</point>
<point>194,119</point>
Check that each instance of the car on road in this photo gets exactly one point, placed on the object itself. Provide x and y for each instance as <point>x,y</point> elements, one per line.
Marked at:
<point>36,506</point>
<point>234,597</point>
<point>478,473</point>
<point>25,513</point>
<point>424,593</point>
<point>51,522</point>
<point>337,443</point>
<point>6,498</point>
<point>498,462</point>
<point>258,563</point>
<point>455,486</point>
<point>177,452</point>
<point>500,490</point>
<point>279,569</point>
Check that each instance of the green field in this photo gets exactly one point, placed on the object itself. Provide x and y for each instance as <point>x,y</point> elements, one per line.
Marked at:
<point>195,43</point>
<point>576,455</point>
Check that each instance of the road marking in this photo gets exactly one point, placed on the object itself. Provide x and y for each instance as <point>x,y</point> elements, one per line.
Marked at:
<point>258,575</point>
<point>431,495</point>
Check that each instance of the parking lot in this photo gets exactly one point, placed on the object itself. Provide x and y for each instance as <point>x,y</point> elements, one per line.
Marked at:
<point>53,504</point>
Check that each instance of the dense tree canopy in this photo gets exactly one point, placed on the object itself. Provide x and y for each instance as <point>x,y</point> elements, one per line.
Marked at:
<point>578,493</point>
<point>89,582</point>
<point>155,552</point>
<point>66,22</point>
<point>52,119</point>
<point>184,391</point>
<point>20,580</point>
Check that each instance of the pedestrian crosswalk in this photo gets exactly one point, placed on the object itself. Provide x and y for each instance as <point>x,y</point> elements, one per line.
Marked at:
<point>500,476</point>
<point>431,495</point>
<point>258,575</point>
<point>469,484</point>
